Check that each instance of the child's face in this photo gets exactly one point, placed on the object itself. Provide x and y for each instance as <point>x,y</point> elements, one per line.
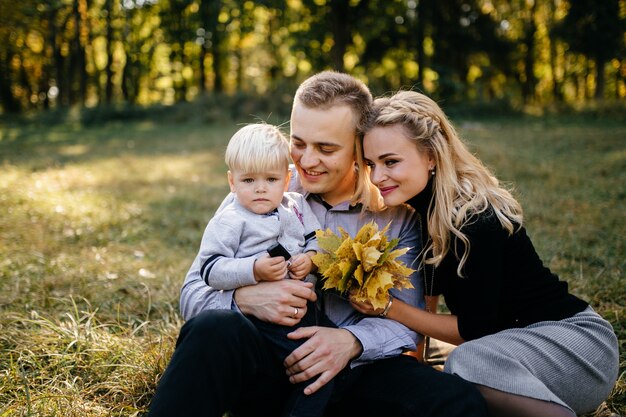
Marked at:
<point>259,192</point>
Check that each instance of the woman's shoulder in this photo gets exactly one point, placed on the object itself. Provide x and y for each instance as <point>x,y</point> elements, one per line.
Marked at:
<point>485,221</point>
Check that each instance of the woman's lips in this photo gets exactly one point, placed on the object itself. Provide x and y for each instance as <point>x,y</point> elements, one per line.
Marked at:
<point>386,190</point>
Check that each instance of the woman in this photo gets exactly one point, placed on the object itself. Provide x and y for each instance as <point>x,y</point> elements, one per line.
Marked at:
<point>531,348</point>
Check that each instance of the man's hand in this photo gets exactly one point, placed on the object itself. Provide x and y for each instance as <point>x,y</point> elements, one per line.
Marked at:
<point>326,352</point>
<point>277,301</point>
<point>267,268</point>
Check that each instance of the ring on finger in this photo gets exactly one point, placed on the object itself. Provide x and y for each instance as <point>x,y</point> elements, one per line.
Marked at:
<point>295,312</point>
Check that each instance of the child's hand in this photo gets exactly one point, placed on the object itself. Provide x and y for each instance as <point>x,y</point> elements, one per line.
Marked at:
<point>300,265</point>
<point>267,268</point>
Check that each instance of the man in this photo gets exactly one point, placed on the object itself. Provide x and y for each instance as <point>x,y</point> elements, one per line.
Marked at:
<point>222,363</point>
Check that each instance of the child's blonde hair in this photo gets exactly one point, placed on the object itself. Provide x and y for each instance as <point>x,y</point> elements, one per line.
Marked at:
<point>256,148</point>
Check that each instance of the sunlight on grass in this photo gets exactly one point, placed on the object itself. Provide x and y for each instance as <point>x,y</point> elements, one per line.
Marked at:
<point>75,366</point>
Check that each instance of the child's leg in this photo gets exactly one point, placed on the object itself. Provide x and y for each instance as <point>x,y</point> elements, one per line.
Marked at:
<point>298,404</point>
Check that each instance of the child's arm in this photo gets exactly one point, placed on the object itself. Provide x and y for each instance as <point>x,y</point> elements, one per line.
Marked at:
<point>301,265</point>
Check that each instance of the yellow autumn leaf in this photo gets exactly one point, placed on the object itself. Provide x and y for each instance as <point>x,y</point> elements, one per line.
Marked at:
<point>359,275</point>
<point>368,256</point>
<point>327,240</point>
<point>322,261</point>
<point>366,232</point>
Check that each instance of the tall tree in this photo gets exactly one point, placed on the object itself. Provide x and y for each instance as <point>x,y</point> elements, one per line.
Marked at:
<point>109,11</point>
<point>594,29</point>
<point>77,58</point>
<point>530,31</point>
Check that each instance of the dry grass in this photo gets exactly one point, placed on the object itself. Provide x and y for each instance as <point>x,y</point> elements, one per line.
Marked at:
<point>100,224</point>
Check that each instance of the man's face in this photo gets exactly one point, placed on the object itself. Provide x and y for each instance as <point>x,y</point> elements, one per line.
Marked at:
<point>322,149</point>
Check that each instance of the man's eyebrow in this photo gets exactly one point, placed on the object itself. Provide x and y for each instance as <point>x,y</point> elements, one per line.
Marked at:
<point>330,144</point>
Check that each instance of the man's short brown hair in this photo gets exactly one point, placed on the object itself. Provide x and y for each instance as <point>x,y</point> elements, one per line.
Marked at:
<point>329,88</point>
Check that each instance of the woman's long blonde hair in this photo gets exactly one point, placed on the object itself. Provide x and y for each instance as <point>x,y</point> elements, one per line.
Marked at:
<point>462,186</point>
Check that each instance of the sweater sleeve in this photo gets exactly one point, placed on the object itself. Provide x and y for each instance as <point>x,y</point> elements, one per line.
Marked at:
<point>202,290</point>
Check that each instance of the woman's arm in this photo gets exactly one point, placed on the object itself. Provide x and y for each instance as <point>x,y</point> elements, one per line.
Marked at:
<point>442,327</point>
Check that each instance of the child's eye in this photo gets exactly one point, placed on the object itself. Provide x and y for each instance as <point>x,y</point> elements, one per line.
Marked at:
<point>247,180</point>
<point>271,179</point>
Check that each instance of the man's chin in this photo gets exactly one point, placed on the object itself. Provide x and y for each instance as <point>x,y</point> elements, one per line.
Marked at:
<point>314,187</point>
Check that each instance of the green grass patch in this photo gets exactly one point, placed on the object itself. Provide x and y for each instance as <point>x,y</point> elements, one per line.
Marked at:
<point>100,223</point>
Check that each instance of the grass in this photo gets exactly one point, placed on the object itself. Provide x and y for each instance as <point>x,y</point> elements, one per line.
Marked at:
<point>99,225</point>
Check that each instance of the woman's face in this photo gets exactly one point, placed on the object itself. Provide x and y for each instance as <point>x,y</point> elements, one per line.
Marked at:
<point>398,168</point>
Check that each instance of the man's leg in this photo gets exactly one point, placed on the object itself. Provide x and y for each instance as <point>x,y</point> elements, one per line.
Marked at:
<point>220,362</point>
<point>403,387</point>
<point>298,404</point>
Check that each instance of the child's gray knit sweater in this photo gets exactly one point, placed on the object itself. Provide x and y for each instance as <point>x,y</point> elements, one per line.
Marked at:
<point>235,237</point>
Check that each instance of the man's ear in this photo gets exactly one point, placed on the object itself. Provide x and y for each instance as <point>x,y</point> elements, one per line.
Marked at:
<point>287,179</point>
<point>231,181</point>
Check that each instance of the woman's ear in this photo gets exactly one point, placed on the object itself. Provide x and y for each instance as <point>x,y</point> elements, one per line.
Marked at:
<point>431,162</point>
<point>231,181</point>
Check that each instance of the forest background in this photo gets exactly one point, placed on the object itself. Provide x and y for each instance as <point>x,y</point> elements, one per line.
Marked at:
<point>114,115</point>
<point>62,53</point>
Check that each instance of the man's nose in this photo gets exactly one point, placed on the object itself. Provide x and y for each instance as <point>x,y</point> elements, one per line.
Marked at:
<point>309,158</point>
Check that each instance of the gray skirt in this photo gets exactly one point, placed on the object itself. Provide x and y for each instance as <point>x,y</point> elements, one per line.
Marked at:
<point>573,362</point>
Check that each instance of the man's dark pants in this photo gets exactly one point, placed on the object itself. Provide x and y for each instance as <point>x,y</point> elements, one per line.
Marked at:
<point>223,363</point>
<point>297,403</point>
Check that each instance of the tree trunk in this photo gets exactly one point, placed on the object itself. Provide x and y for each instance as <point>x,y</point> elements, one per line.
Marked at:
<point>8,101</point>
<point>202,68</point>
<point>556,82</point>
<point>339,10</point>
<point>421,35</point>
<point>77,59</point>
<point>218,83</point>
<point>528,88</point>
<point>600,79</point>
<point>109,40</point>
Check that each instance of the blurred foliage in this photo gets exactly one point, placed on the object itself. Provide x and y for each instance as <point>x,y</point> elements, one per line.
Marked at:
<point>90,53</point>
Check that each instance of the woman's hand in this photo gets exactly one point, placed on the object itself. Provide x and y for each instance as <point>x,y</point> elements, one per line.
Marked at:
<point>365,307</point>
<point>280,302</point>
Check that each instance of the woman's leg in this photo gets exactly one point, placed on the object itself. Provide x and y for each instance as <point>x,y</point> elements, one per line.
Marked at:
<point>503,404</point>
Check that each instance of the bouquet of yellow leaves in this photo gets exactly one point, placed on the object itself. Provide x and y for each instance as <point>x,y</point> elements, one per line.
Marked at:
<point>365,267</point>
